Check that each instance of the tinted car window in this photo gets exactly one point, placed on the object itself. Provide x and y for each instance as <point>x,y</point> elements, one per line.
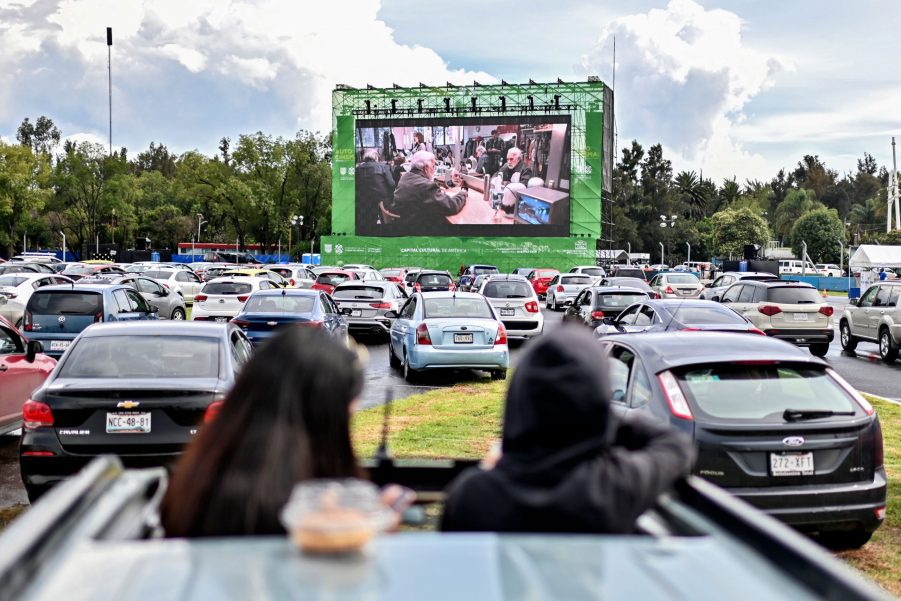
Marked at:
<point>732,293</point>
<point>893,299</point>
<point>331,279</point>
<point>682,279</point>
<point>65,302</point>
<point>173,357</point>
<point>595,271</point>
<point>747,294</point>
<point>227,288</point>
<point>507,290</point>
<point>78,270</point>
<point>479,270</point>
<point>147,286</point>
<point>707,315</point>
<point>575,280</point>
<point>434,279</point>
<point>793,295</point>
<point>632,273</point>
<point>137,301</point>
<point>157,274</point>
<point>276,303</point>
<point>12,280</point>
<point>122,302</point>
<point>882,297</point>
<point>764,392</point>
<point>458,307</point>
<point>619,299</point>
<point>361,292</point>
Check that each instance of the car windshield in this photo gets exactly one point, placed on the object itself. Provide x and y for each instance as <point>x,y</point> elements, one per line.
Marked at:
<point>575,280</point>
<point>277,303</point>
<point>595,271</point>
<point>361,292</point>
<point>483,269</point>
<point>685,278</point>
<point>507,290</point>
<point>457,307</point>
<point>707,315</point>
<point>620,299</point>
<point>147,356</point>
<point>331,279</point>
<point>65,302</point>
<point>761,392</point>
<point>12,280</point>
<point>794,295</point>
<point>158,274</point>
<point>78,269</point>
<point>227,288</point>
<point>434,279</point>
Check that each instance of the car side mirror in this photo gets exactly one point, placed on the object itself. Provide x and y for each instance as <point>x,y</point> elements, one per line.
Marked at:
<point>346,311</point>
<point>854,301</point>
<point>32,349</point>
<point>725,300</point>
<point>391,314</point>
<point>708,285</point>
<point>154,309</point>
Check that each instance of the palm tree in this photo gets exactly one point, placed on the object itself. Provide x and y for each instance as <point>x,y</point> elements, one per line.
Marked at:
<point>693,194</point>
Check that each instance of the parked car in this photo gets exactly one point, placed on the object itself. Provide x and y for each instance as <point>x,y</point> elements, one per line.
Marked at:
<point>632,271</point>
<point>792,311</point>
<point>794,266</point>
<point>358,266</point>
<point>222,298</point>
<point>367,275</point>
<point>297,275</point>
<point>523,271</point>
<point>774,426</point>
<point>433,281</point>
<point>17,288</point>
<point>628,282</point>
<point>229,256</point>
<point>327,280</point>
<point>476,270</point>
<point>23,367</point>
<point>168,304</point>
<point>367,303</point>
<point>676,285</point>
<point>36,257</point>
<point>829,270</point>
<point>516,303</point>
<point>257,272</point>
<point>55,315</point>
<point>216,270</point>
<point>267,311</point>
<point>666,315</point>
<point>592,270</point>
<point>442,330</point>
<point>658,267</point>
<point>394,274</point>
<point>540,279</point>
<point>22,267</point>
<point>714,290</point>
<point>563,288</point>
<point>137,390</point>
<point>409,278</point>
<point>875,317</point>
<point>181,282</point>
<point>76,271</point>
<point>595,304</point>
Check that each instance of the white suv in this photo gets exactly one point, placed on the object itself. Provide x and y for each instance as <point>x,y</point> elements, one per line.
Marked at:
<point>876,317</point>
<point>221,299</point>
<point>516,303</point>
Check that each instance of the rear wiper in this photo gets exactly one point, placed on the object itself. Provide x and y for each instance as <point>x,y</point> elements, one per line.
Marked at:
<point>794,415</point>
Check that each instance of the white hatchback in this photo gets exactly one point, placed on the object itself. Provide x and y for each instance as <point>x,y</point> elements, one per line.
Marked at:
<point>221,299</point>
<point>516,303</point>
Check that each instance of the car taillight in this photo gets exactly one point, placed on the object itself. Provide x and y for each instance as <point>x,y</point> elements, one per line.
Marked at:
<point>769,310</point>
<point>501,334</point>
<point>826,310</point>
<point>757,331</point>
<point>98,317</point>
<point>678,404</point>
<point>452,287</point>
<point>200,298</point>
<point>417,287</point>
<point>422,334</point>
<point>380,305</point>
<point>36,414</point>
<point>166,285</point>
<point>212,410</point>
<point>559,288</point>
<point>532,307</point>
<point>597,315</point>
<point>27,324</point>
<point>655,295</point>
<point>241,323</point>
<point>669,290</point>
<point>292,282</point>
<point>243,298</point>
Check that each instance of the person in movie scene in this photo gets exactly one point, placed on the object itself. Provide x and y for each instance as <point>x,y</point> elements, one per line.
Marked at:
<point>419,201</point>
<point>418,142</point>
<point>374,184</point>
<point>494,147</point>
<point>397,168</point>
<point>480,164</point>
<point>567,464</point>
<point>286,420</point>
<point>514,170</point>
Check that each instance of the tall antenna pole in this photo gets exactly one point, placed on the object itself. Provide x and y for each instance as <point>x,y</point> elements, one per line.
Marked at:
<point>109,67</point>
<point>896,202</point>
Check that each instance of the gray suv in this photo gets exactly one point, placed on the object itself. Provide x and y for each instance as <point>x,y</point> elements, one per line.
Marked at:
<point>876,317</point>
<point>714,290</point>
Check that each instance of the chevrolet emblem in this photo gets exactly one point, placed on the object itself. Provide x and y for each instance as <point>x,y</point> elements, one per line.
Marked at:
<point>127,404</point>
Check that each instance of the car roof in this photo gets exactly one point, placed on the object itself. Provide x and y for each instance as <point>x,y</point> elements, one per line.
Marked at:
<point>779,283</point>
<point>236,278</point>
<point>157,327</point>
<point>30,274</point>
<point>82,288</point>
<point>443,294</point>
<point>617,288</point>
<point>376,283</point>
<point>510,277</point>
<point>288,292</point>
<point>439,272</point>
<point>666,350</point>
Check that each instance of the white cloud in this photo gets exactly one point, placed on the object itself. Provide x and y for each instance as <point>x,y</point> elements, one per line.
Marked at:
<point>192,60</point>
<point>684,75</point>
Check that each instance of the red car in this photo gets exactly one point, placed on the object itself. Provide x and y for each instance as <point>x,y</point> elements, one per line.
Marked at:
<point>540,278</point>
<point>22,369</point>
<point>327,280</point>
<point>394,274</point>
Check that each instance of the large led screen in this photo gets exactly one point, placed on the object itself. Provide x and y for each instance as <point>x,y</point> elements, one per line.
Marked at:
<point>463,176</point>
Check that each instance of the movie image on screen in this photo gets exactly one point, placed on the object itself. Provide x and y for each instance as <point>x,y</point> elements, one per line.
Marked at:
<point>463,176</point>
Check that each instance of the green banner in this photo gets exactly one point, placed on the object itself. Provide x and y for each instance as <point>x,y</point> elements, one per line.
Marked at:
<point>343,163</point>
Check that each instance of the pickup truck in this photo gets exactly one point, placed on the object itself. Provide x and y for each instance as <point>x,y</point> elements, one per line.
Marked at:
<point>97,536</point>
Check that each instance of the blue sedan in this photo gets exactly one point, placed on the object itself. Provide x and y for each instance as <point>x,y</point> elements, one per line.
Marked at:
<point>267,311</point>
<point>441,330</point>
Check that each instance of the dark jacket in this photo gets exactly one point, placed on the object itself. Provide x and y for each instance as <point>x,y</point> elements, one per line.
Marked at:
<point>524,172</point>
<point>374,183</point>
<point>420,202</point>
<point>568,465</point>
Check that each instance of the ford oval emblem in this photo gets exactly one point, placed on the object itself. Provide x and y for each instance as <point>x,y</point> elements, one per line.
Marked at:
<point>793,441</point>
<point>463,328</point>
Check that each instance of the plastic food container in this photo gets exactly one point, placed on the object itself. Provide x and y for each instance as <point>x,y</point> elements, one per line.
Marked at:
<point>335,516</point>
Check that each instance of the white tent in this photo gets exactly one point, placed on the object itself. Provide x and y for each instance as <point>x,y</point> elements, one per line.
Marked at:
<point>875,255</point>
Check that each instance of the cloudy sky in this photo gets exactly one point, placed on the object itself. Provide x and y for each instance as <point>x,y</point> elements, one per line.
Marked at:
<point>736,88</point>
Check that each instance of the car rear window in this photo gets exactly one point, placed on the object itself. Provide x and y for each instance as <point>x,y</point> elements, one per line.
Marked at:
<point>434,279</point>
<point>457,307</point>
<point>631,273</point>
<point>331,279</point>
<point>65,302</point>
<point>546,273</point>
<point>507,290</point>
<point>361,292</point>
<point>761,392</point>
<point>793,295</point>
<point>682,279</point>
<point>391,273</point>
<point>276,303</point>
<point>483,269</point>
<point>707,315</point>
<point>147,357</point>
<point>227,288</point>
<point>620,299</point>
<point>157,274</point>
<point>78,270</point>
<point>12,280</point>
<point>597,272</point>
<point>285,272</point>
<point>575,280</point>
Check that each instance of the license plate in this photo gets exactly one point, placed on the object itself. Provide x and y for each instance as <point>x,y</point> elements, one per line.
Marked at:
<point>128,423</point>
<point>356,312</point>
<point>507,312</point>
<point>791,464</point>
<point>220,319</point>
<point>800,316</point>
<point>59,345</point>
<point>463,338</point>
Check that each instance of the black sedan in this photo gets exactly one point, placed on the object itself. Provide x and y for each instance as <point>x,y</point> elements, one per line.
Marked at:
<point>267,311</point>
<point>668,315</point>
<point>772,424</point>
<point>595,304</point>
<point>139,390</point>
<point>630,282</point>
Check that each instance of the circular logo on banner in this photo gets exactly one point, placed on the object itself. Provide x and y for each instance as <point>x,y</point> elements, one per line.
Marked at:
<point>339,249</point>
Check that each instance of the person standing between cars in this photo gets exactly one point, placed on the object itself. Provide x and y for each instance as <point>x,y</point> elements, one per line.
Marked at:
<point>286,420</point>
<point>567,465</point>
<point>419,201</point>
<point>374,184</point>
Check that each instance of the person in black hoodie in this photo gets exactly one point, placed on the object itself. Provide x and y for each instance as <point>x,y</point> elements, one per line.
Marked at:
<point>567,464</point>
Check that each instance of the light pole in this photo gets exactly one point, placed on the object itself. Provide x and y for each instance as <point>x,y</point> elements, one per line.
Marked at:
<point>61,233</point>
<point>688,260</point>
<point>194,242</point>
<point>629,256</point>
<point>666,222</point>
<point>295,220</point>
<point>662,262</point>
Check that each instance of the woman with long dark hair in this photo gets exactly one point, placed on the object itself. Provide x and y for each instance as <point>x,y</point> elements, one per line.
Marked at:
<point>287,419</point>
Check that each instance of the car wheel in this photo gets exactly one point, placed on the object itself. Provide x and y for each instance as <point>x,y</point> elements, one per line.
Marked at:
<point>178,314</point>
<point>887,349</point>
<point>499,374</point>
<point>844,541</point>
<point>554,306</point>
<point>819,349</point>
<point>410,374</point>
<point>849,342</point>
<point>393,361</point>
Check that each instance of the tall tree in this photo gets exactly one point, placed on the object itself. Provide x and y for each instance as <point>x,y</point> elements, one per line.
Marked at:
<point>822,230</point>
<point>24,177</point>
<point>42,136</point>
<point>796,204</point>
<point>734,228</point>
<point>692,193</point>
<point>812,174</point>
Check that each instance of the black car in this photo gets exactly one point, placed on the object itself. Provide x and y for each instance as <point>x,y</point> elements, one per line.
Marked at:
<point>595,304</point>
<point>139,390</point>
<point>666,315</point>
<point>772,424</point>
<point>630,282</point>
<point>433,281</point>
<point>628,272</point>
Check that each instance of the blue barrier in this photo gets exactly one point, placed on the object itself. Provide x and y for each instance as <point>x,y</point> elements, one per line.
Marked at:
<point>822,283</point>
<point>274,258</point>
